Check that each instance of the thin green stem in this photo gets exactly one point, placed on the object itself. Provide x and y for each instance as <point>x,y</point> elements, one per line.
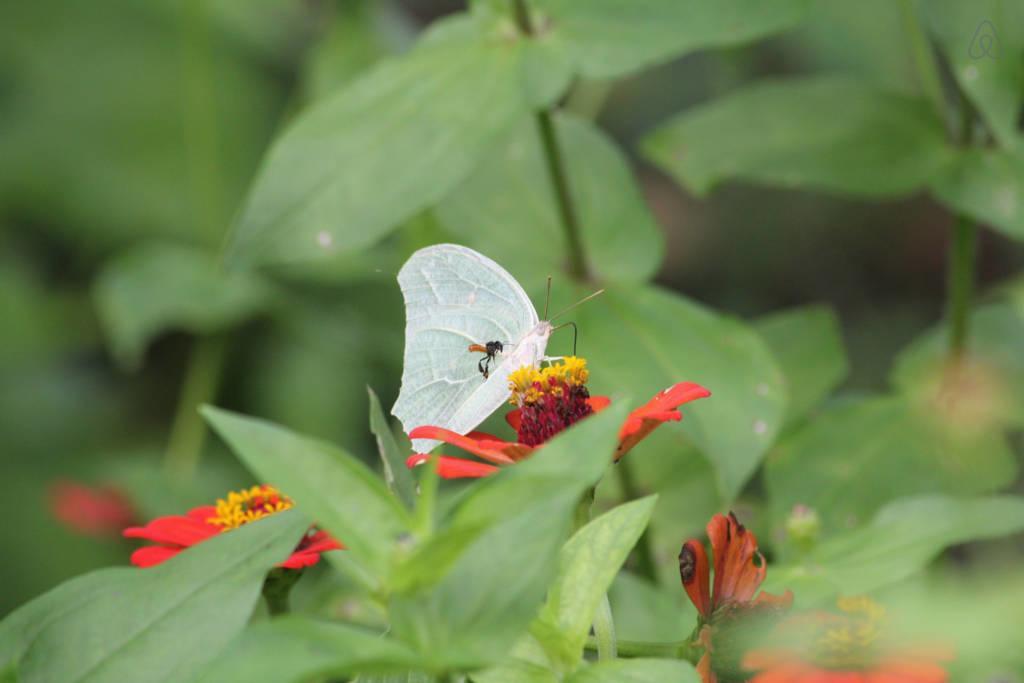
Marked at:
<point>962,256</point>
<point>604,631</point>
<point>924,59</point>
<point>427,502</point>
<point>555,161</point>
<point>277,588</point>
<point>637,648</point>
<point>645,563</point>
<point>188,431</point>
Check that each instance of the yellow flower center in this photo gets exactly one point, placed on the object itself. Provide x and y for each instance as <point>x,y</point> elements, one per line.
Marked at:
<point>528,385</point>
<point>248,505</point>
<point>848,640</point>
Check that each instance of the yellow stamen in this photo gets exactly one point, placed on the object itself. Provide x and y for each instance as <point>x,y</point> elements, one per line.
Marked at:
<point>248,505</point>
<point>528,384</point>
<point>851,637</point>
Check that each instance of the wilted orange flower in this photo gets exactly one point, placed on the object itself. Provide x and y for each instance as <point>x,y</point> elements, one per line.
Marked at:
<point>823,647</point>
<point>175,533</point>
<point>739,571</point>
<point>548,401</point>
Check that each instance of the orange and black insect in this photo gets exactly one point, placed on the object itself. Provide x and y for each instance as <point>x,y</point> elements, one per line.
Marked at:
<point>492,349</point>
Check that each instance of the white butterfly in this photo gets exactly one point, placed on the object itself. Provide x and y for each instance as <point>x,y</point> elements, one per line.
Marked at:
<point>455,297</point>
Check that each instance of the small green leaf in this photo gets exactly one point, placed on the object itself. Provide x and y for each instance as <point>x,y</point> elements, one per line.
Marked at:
<point>392,458</point>
<point>636,671</point>
<point>510,194</point>
<point>335,489</point>
<point>158,287</point>
<point>808,346</point>
<point>612,38</point>
<point>644,339</point>
<point>988,185</point>
<point>828,134</point>
<point>166,622</point>
<point>296,648</point>
<point>587,565</point>
<point>984,43</point>
<point>901,540</point>
<point>861,454</point>
<point>358,163</point>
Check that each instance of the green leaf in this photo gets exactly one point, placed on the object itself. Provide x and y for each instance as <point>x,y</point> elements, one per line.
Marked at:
<point>636,671</point>
<point>988,185</point>
<point>166,622</point>
<point>644,339</point>
<point>158,287</point>
<point>508,203</point>
<point>612,38</point>
<point>516,671</point>
<point>861,454</point>
<point>587,565</point>
<point>392,458</point>
<point>822,133</point>
<point>901,540</point>
<point>808,345</point>
<point>475,613</point>
<point>648,612</point>
<point>297,648</point>
<point>984,43</point>
<point>357,164</point>
<point>335,489</point>
<point>982,394</point>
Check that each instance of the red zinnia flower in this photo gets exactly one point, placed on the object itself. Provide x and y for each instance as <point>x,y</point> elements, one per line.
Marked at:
<point>547,402</point>
<point>822,647</point>
<point>739,571</point>
<point>177,532</point>
<point>100,511</point>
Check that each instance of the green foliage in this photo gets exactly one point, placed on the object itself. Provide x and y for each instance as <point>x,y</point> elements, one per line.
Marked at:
<point>508,202</point>
<point>636,671</point>
<point>987,185</point>
<point>821,133</point>
<point>392,458</point>
<point>901,539</point>
<point>159,624</point>
<point>808,345</point>
<point>154,288</point>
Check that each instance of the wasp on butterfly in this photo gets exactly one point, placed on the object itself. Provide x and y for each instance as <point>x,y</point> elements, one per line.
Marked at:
<point>492,349</point>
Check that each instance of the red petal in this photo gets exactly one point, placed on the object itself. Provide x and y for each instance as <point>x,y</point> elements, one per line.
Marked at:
<point>737,577</point>
<point>514,418</point>
<point>202,513</point>
<point>173,530</point>
<point>320,542</point>
<point>693,570</point>
<point>453,468</point>
<point>490,449</point>
<point>660,409</point>
<point>599,403</point>
<point>152,555</point>
<point>300,559</point>
<point>95,511</point>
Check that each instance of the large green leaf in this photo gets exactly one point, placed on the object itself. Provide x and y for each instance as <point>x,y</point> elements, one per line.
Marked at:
<point>156,287</point>
<point>392,458</point>
<point>984,43</point>
<point>861,454</point>
<point>903,538</point>
<point>987,185</point>
<point>817,133</point>
<point>507,208</point>
<point>297,648</point>
<point>636,671</point>
<point>610,38</point>
<point>360,162</point>
<point>334,488</point>
<point>808,346</point>
<point>478,609</point>
<point>644,339</point>
<point>163,623</point>
<point>586,567</point>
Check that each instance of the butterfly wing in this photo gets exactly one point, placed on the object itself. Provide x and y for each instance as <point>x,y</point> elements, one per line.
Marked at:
<point>455,297</point>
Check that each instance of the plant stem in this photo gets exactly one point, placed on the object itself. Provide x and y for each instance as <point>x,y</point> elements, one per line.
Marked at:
<point>604,631</point>
<point>924,59</point>
<point>645,563</point>
<point>427,501</point>
<point>962,257</point>
<point>188,430</point>
<point>639,648</point>
<point>557,171</point>
<point>277,588</point>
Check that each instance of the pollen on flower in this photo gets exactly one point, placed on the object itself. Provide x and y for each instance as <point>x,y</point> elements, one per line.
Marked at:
<point>551,399</point>
<point>846,641</point>
<point>248,505</point>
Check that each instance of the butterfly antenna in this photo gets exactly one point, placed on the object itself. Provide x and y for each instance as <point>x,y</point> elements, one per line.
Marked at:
<point>547,299</point>
<point>574,334</point>
<point>581,301</point>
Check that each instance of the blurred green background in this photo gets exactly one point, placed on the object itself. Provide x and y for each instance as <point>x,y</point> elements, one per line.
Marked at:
<point>129,133</point>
